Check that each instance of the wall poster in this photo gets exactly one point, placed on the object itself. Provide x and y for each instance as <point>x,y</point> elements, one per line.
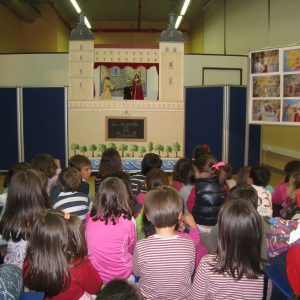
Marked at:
<point>274,86</point>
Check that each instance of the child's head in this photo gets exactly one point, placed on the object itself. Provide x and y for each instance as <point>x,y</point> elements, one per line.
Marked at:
<point>225,173</point>
<point>111,202</point>
<point>82,164</point>
<point>245,192</point>
<point>200,150</point>
<point>239,240</point>
<point>156,178</point>
<point>45,163</point>
<point>293,187</point>
<point>77,245</point>
<point>69,179</point>
<point>26,198</point>
<point>110,162</point>
<point>56,239</point>
<point>119,289</point>
<point>203,166</point>
<point>163,207</point>
<point>184,171</point>
<point>126,180</point>
<point>15,168</point>
<point>260,175</point>
<point>243,176</point>
<point>149,162</point>
<point>178,167</point>
<point>290,168</point>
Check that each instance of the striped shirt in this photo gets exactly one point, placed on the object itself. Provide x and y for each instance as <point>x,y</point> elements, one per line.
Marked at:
<point>137,182</point>
<point>165,266</point>
<point>75,203</point>
<point>211,286</point>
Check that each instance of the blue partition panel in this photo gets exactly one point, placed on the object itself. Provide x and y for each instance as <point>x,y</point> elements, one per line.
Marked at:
<point>204,119</point>
<point>44,122</point>
<point>8,128</point>
<point>254,145</point>
<point>237,127</point>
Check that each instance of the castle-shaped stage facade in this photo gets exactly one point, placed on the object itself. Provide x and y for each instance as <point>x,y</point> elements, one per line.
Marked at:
<point>163,115</point>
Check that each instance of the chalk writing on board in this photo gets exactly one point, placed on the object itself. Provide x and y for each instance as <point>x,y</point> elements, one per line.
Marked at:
<point>118,128</point>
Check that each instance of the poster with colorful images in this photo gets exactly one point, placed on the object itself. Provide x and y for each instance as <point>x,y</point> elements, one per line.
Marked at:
<point>291,85</point>
<point>291,111</point>
<point>291,60</point>
<point>266,86</point>
<point>266,110</point>
<point>265,61</point>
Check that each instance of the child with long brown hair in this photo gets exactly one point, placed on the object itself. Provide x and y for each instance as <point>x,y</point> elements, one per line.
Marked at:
<point>236,271</point>
<point>111,231</point>
<point>110,162</point>
<point>26,198</point>
<point>49,166</point>
<point>56,261</point>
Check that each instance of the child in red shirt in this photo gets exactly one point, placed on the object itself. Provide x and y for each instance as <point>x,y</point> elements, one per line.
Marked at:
<point>56,261</point>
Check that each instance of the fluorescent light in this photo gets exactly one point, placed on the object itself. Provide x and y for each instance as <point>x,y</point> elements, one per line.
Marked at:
<point>76,6</point>
<point>184,7</point>
<point>87,23</point>
<point>178,21</point>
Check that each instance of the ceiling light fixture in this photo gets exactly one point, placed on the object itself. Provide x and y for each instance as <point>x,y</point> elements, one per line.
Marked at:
<point>184,7</point>
<point>76,6</point>
<point>182,13</point>
<point>87,23</point>
<point>178,21</point>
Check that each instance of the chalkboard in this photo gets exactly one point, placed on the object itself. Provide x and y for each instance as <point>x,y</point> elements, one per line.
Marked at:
<point>121,128</point>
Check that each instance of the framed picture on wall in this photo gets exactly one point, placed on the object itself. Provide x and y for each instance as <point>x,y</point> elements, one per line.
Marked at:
<point>291,85</point>
<point>291,111</point>
<point>274,86</point>
<point>291,60</point>
<point>265,61</point>
<point>266,86</point>
<point>266,110</point>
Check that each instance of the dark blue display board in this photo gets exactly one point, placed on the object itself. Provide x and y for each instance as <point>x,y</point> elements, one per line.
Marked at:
<point>237,127</point>
<point>44,120</point>
<point>204,123</point>
<point>254,145</point>
<point>8,128</point>
<point>204,119</point>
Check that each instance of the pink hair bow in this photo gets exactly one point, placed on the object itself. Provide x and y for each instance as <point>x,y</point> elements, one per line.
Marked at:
<point>218,165</point>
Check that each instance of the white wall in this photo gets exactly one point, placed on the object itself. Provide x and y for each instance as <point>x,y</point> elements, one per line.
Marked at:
<point>34,69</point>
<point>193,65</point>
<point>52,70</point>
<point>246,25</point>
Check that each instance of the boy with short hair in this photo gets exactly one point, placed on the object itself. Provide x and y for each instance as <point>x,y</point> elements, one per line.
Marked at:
<point>69,199</point>
<point>164,261</point>
<point>83,165</point>
<point>150,161</point>
<point>260,176</point>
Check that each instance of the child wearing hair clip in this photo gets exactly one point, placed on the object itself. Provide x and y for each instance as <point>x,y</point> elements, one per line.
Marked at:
<point>208,196</point>
<point>57,262</point>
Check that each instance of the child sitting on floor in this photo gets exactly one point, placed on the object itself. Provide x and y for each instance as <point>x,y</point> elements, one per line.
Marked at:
<point>164,261</point>
<point>56,261</point>
<point>83,165</point>
<point>236,271</point>
<point>260,176</point>
<point>48,165</point>
<point>111,232</point>
<point>69,199</point>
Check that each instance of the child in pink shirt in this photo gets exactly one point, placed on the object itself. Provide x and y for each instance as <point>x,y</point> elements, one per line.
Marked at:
<point>111,231</point>
<point>279,196</point>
